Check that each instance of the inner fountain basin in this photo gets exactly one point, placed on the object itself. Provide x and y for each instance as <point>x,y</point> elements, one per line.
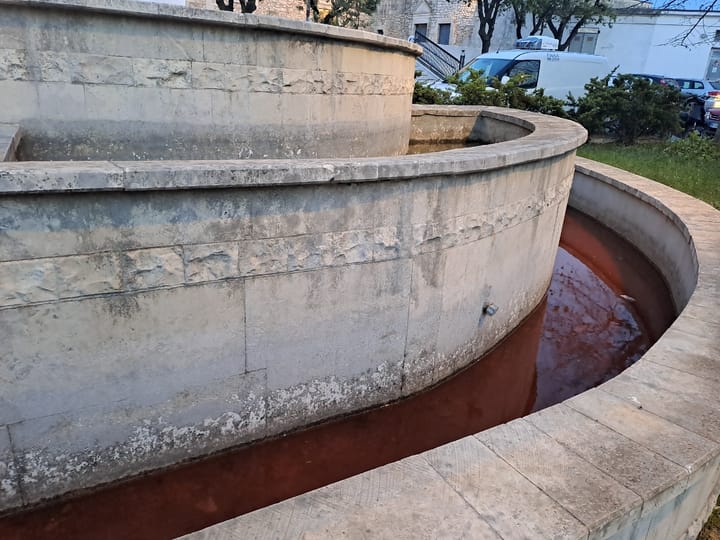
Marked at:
<point>543,361</point>
<point>319,286</point>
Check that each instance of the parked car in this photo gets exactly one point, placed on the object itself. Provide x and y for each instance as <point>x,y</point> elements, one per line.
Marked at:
<point>557,73</point>
<point>699,87</point>
<point>712,113</point>
<point>657,79</point>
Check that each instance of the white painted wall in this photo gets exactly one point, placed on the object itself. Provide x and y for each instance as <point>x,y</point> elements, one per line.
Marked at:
<point>642,44</point>
<point>636,43</point>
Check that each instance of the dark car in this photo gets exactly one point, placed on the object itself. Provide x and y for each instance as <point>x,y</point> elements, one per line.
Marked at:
<point>657,79</point>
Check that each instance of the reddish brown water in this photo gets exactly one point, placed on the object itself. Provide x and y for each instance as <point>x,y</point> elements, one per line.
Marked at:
<point>583,334</point>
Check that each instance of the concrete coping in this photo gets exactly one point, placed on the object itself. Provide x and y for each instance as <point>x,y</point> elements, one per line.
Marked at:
<point>547,137</point>
<point>9,140</point>
<point>636,457</point>
<point>133,8</point>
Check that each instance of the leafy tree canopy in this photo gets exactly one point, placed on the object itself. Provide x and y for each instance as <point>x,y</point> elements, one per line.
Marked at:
<point>564,18</point>
<point>347,13</point>
<point>246,6</point>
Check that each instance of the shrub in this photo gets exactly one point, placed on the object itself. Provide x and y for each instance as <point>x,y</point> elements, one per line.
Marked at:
<point>694,147</point>
<point>424,95</point>
<point>476,90</point>
<point>627,108</point>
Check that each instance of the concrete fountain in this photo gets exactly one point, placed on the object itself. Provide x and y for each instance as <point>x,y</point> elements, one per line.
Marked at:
<point>240,248</point>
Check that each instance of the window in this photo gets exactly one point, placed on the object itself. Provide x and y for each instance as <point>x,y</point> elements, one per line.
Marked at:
<point>444,34</point>
<point>699,85</point>
<point>584,42</point>
<point>529,69</point>
<point>421,28</point>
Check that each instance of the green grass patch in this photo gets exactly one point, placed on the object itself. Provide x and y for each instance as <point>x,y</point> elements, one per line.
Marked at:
<point>695,172</point>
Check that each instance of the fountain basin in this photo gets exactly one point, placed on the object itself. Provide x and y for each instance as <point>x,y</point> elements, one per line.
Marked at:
<point>160,311</point>
<point>636,457</point>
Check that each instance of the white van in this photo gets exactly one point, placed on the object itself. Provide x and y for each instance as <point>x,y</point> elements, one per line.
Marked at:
<point>558,73</point>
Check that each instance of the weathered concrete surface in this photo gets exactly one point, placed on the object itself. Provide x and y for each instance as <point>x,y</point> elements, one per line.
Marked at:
<point>193,306</point>
<point>433,125</point>
<point>99,79</point>
<point>638,457</point>
<point>9,140</point>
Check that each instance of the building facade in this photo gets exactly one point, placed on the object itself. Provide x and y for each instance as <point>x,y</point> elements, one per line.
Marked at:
<point>288,9</point>
<point>641,40</point>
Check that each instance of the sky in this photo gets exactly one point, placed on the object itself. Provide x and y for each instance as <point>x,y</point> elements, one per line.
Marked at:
<point>686,4</point>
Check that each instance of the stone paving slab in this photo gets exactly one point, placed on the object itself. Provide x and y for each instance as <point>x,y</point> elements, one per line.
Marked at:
<point>674,395</point>
<point>677,444</point>
<point>646,473</point>
<point>510,503</point>
<point>589,494</point>
<point>403,500</point>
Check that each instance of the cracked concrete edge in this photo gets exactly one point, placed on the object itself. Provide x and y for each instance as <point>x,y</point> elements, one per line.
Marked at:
<point>9,139</point>
<point>547,137</point>
<point>135,8</point>
<point>551,467</point>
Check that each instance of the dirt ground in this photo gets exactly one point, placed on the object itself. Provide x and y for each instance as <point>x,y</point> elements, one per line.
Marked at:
<point>711,531</point>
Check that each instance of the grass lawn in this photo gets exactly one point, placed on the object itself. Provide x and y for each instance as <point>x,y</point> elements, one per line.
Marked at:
<point>697,177</point>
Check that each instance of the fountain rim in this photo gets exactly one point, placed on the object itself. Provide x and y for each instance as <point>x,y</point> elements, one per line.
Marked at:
<point>547,137</point>
<point>195,16</point>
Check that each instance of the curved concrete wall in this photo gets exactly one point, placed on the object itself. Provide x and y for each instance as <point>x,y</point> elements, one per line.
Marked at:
<point>155,311</point>
<point>100,79</point>
<point>637,457</point>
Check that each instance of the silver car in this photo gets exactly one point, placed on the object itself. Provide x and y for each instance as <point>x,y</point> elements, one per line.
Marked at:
<point>698,87</point>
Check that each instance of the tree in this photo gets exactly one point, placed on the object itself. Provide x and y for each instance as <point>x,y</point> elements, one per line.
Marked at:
<point>686,37</point>
<point>347,13</point>
<point>246,6</point>
<point>564,18</point>
<point>488,11</point>
<point>522,9</point>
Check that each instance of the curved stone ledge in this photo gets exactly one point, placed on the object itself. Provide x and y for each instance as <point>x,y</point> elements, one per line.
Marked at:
<point>152,10</point>
<point>118,79</point>
<point>637,457</point>
<point>187,307</point>
<point>525,141</point>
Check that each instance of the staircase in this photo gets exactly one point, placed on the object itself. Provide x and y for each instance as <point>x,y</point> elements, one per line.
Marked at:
<point>435,58</point>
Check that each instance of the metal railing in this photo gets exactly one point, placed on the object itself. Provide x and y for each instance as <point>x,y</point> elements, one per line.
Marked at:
<point>435,58</point>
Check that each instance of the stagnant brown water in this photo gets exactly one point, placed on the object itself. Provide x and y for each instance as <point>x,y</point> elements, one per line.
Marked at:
<point>605,305</point>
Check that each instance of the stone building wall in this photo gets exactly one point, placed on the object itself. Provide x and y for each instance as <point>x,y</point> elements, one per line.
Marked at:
<point>288,9</point>
<point>397,18</point>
